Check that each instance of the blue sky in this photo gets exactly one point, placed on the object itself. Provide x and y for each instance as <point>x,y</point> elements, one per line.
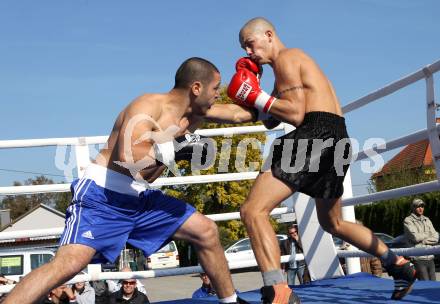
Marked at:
<point>68,67</point>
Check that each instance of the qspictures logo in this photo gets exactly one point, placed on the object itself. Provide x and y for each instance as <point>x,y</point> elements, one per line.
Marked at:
<point>294,156</point>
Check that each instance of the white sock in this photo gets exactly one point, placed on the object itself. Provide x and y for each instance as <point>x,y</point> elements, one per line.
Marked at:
<point>230,299</point>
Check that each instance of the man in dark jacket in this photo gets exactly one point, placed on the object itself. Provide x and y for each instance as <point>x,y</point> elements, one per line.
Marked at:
<point>291,246</point>
<point>129,294</point>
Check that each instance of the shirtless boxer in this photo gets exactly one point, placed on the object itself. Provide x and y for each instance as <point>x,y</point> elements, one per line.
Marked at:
<point>112,203</point>
<point>305,98</point>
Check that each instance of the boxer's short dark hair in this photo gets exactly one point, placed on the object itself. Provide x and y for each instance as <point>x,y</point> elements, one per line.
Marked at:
<point>194,69</point>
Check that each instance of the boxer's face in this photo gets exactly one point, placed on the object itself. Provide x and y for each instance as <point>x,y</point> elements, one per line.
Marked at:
<point>209,93</point>
<point>256,45</point>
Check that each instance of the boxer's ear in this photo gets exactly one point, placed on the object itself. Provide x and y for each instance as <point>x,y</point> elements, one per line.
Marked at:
<point>196,88</point>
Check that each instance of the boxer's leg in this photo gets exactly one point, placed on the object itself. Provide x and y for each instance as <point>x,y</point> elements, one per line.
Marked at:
<point>202,233</point>
<point>267,193</point>
<point>69,260</point>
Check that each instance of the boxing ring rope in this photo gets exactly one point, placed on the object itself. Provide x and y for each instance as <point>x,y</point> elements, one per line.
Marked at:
<point>11,235</point>
<point>94,140</point>
<point>430,132</point>
<point>392,87</point>
<point>182,180</point>
<point>147,274</point>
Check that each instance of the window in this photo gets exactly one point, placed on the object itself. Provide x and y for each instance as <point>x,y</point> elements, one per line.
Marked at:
<point>168,247</point>
<point>242,246</point>
<point>11,264</point>
<point>39,259</point>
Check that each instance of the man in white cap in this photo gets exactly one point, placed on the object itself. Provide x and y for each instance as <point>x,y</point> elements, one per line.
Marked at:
<point>420,232</point>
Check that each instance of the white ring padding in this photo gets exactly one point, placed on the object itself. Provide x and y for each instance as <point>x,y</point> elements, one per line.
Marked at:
<point>94,276</point>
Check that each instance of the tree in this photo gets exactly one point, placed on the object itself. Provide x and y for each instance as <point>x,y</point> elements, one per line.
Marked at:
<point>20,204</point>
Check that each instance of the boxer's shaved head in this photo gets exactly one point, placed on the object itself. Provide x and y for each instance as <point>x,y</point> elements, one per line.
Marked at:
<point>256,25</point>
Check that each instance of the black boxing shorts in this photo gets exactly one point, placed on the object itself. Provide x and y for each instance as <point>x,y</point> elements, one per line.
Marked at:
<point>313,158</point>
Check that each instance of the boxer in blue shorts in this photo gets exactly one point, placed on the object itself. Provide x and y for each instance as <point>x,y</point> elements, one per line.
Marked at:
<point>107,215</point>
<point>113,203</point>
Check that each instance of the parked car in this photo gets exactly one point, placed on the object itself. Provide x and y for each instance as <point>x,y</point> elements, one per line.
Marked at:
<point>15,264</point>
<point>390,241</point>
<point>242,250</point>
<point>166,257</point>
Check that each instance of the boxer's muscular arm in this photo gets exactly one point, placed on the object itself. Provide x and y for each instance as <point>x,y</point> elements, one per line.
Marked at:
<point>271,122</point>
<point>230,113</point>
<point>290,105</point>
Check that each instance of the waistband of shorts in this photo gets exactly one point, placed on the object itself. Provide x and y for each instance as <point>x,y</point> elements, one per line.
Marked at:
<point>312,117</point>
<point>114,181</point>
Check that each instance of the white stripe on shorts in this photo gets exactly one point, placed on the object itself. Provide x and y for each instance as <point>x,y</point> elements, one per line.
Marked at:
<point>80,209</point>
<point>72,218</point>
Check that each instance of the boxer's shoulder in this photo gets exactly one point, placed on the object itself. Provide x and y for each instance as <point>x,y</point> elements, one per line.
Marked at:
<point>149,104</point>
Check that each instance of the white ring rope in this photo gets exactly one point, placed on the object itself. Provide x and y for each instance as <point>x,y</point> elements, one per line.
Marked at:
<point>392,193</point>
<point>197,179</point>
<point>391,88</point>
<point>93,140</point>
<point>11,235</point>
<point>397,143</point>
<point>96,276</point>
<point>418,251</point>
<point>151,273</point>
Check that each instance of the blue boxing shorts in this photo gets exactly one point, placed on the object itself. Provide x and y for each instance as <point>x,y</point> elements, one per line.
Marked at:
<point>110,209</point>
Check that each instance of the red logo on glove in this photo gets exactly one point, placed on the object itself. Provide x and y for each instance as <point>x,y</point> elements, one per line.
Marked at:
<point>243,92</point>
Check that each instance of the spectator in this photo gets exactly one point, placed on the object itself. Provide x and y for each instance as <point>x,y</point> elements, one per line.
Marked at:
<point>206,290</point>
<point>420,232</point>
<point>84,293</point>
<point>102,293</point>
<point>5,281</point>
<point>60,295</point>
<point>370,264</point>
<point>292,246</point>
<point>128,294</point>
<point>114,286</point>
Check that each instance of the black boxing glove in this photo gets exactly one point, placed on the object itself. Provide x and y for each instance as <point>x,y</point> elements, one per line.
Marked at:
<point>268,120</point>
<point>184,147</point>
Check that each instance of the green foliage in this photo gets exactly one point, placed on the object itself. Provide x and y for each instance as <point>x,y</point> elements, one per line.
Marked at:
<point>387,216</point>
<point>20,204</point>
<point>401,177</point>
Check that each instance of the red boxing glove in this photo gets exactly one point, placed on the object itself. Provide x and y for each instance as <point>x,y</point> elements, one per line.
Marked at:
<point>249,64</point>
<point>245,90</point>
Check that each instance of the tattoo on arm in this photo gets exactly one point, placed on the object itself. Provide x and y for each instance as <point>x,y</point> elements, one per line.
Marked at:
<point>278,95</point>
